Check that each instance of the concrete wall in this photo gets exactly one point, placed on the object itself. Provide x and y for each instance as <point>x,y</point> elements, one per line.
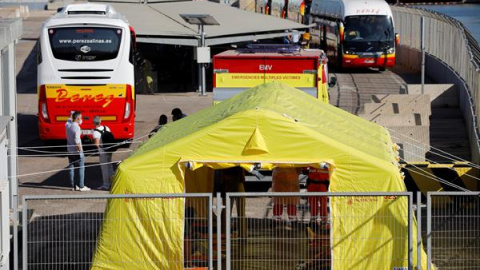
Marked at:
<point>14,12</point>
<point>409,58</point>
<point>31,4</point>
<point>440,72</point>
<point>451,58</point>
<point>407,119</point>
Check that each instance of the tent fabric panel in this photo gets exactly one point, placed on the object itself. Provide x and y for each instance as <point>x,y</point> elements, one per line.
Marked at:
<point>291,102</point>
<point>365,230</point>
<point>141,234</point>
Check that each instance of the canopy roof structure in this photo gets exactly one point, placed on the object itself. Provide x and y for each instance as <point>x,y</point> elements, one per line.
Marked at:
<point>271,125</point>
<point>160,23</point>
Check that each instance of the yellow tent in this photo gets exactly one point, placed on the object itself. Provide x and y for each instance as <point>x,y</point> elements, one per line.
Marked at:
<point>272,125</point>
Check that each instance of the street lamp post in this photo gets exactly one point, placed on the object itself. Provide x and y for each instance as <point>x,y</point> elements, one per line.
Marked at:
<point>203,52</point>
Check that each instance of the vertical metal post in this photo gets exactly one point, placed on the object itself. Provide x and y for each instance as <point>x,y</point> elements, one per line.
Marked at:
<point>419,230</point>
<point>410,231</point>
<point>210,232</point>
<point>202,65</point>
<point>429,231</point>
<point>227,236</point>
<point>12,147</point>
<point>219,231</point>
<point>200,84</point>
<point>24,234</point>
<point>422,48</point>
<point>15,237</point>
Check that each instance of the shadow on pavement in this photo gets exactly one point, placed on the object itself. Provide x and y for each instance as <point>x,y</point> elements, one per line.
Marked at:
<point>27,76</point>
<point>60,180</point>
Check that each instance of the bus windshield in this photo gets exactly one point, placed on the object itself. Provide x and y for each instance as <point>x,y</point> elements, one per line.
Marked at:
<point>85,43</point>
<point>368,28</point>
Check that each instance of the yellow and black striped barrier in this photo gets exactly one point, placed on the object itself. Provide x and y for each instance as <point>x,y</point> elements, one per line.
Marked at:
<point>426,177</point>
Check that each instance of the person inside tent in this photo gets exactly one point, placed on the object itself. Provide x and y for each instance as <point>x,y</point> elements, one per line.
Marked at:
<point>285,180</point>
<point>231,180</point>
<point>318,181</point>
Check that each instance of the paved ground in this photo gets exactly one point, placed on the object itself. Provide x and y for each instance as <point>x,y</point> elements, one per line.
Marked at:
<point>355,87</point>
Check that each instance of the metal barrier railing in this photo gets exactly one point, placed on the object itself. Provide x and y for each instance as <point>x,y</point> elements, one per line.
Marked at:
<point>289,237</point>
<point>61,237</point>
<point>448,41</point>
<point>453,230</point>
<point>254,233</point>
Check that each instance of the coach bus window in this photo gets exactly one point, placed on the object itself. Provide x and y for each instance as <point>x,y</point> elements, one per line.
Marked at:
<point>370,28</point>
<point>85,44</point>
<point>368,33</point>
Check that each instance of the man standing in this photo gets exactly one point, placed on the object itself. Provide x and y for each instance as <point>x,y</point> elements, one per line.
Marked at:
<point>104,154</point>
<point>76,157</point>
<point>147,76</point>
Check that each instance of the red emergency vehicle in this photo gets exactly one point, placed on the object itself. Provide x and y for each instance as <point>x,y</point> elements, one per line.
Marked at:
<point>237,70</point>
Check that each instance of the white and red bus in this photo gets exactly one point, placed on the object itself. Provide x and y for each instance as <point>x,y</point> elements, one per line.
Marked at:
<point>86,64</point>
<point>354,33</point>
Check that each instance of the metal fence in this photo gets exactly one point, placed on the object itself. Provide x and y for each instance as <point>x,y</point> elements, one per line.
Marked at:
<point>252,232</point>
<point>453,230</point>
<point>64,231</point>
<point>263,239</point>
<point>449,42</point>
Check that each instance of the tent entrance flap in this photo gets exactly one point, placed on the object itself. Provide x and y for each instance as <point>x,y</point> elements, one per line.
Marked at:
<point>249,165</point>
<point>199,175</point>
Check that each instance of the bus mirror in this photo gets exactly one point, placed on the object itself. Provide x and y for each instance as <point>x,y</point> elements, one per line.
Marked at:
<point>333,82</point>
<point>341,33</point>
<point>397,39</point>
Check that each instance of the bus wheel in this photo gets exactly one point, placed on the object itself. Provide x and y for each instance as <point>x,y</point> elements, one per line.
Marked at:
<point>382,69</point>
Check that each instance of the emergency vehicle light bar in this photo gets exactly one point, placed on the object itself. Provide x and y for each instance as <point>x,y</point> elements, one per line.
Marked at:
<point>275,48</point>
